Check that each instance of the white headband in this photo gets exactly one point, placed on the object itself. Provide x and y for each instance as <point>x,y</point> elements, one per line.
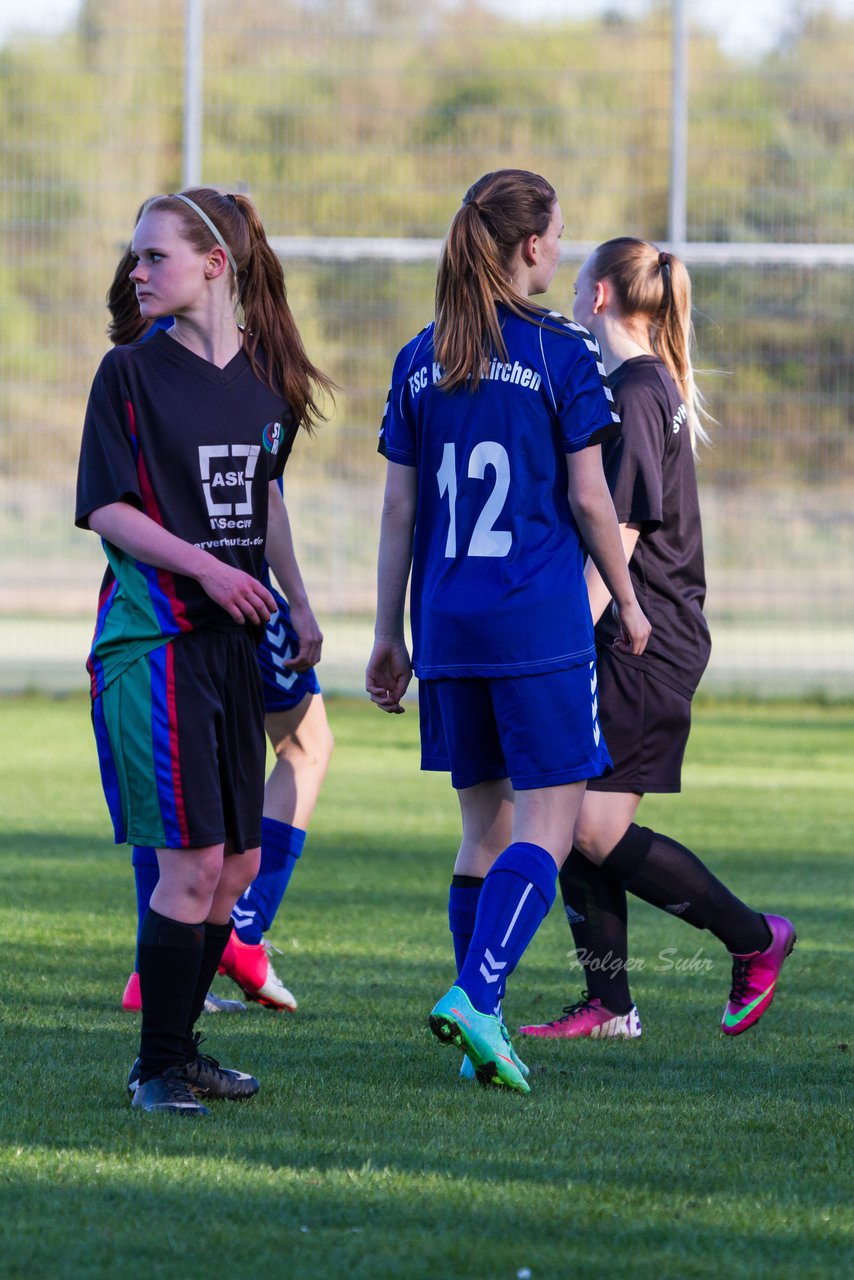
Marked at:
<point>217,235</point>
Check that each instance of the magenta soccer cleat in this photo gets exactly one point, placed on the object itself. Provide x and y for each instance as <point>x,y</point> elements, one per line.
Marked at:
<point>131,999</point>
<point>590,1019</point>
<point>754,978</point>
<point>249,965</point>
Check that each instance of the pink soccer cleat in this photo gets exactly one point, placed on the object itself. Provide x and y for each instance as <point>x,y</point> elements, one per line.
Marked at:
<point>588,1018</point>
<point>248,964</point>
<point>132,1000</point>
<point>754,978</point>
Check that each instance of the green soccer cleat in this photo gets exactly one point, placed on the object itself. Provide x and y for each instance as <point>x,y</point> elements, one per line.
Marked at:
<point>467,1070</point>
<point>481,1036</point>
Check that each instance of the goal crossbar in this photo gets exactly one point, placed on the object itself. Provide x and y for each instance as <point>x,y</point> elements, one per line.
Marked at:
<point>390,249</point>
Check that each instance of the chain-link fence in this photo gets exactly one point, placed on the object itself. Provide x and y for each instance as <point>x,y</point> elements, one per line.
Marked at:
<point>365,121</point>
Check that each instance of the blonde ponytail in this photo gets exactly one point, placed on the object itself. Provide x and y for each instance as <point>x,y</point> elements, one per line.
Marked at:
<point>655,285</point>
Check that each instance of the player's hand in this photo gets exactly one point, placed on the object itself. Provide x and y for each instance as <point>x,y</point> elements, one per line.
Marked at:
<point>310,637</point>
<point>388,675</point>
<point>243,597</point>
<point>635,628</point>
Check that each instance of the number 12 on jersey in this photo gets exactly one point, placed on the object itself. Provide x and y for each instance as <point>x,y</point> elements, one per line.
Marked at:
<point>485,539</point>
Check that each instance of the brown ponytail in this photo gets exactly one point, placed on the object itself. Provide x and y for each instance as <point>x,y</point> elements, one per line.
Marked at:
<point>655,285</point>
<point>260,289</point>
<point>498,212</point>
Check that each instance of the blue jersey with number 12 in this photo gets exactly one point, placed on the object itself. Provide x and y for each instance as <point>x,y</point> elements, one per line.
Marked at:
<point>497,582</point>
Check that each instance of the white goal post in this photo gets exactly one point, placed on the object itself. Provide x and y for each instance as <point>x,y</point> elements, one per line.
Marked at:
<point>388,249</point>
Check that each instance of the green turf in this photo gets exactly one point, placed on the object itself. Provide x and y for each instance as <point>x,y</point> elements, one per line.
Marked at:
<point>680,1155</point>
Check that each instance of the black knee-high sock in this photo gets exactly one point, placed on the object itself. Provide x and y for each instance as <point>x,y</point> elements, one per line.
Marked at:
<point>597,913</point>
<point>669,876</point>
<point>216,937</point>
<point>170,956</point>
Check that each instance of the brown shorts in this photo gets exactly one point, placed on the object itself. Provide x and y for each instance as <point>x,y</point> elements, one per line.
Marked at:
<point>646,726</point>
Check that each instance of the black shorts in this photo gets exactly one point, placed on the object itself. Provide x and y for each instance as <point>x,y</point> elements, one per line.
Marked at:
<point>181,744</point>
<point>645,724</point>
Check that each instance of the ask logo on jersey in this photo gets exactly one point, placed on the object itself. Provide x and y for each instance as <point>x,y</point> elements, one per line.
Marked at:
<point>227,471</point>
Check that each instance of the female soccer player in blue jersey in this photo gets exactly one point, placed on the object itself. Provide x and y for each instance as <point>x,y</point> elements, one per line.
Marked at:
<point>298,730</point>
<point>636,300</point>
<point>492,435</point>
<point>184,439</point>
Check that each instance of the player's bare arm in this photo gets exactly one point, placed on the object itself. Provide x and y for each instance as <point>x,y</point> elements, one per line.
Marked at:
<point>281,558</point>
<point>594,514</point>
<point>389,669</point>
<point>598,594</point>
<point>241,595</point>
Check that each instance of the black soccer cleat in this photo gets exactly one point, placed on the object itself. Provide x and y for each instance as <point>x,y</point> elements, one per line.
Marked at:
<point>205,1076</point>
<point>168,1091</point>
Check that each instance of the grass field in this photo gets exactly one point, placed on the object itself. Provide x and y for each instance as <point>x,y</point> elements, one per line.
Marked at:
<point>680,1155</point>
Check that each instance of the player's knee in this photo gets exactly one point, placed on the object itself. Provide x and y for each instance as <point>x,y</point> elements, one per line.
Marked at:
<point>191,892</point>
<point>238,884</point>
<point>309,751</point>
<point>591,841</point>
<point>239,871</point>
<point>315,736</point>
<point>326,746</point>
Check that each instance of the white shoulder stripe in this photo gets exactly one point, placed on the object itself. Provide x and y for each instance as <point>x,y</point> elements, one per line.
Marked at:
<point>592,346</point>
<point>422,338</point>
<point>546,368</point>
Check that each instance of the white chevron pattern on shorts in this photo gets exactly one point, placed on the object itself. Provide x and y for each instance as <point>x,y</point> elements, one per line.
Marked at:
<point>284,676</point>
<point>594,683</point>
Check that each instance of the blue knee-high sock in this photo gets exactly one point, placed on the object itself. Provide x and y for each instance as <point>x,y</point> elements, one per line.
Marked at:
<point>463,897</point>
<point>462,912</point>
<point>516,896</point>
<point>146,873</point>
<point>281,847</point>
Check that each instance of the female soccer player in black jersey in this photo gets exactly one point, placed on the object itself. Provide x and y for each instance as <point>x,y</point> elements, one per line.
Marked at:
<point>184,439</point>
<point>637,301</point>
<point>298,730</point>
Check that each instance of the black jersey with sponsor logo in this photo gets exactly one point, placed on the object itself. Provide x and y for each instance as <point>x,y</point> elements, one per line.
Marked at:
<point>194,447</point>
<point>650,470</point>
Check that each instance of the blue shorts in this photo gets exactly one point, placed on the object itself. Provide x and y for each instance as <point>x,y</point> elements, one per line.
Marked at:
<point>538,731</point>
<point>284,688</point>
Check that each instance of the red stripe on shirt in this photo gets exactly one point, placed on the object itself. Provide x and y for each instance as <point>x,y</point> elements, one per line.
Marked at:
<point>174,749</point>
<point>149,505</point>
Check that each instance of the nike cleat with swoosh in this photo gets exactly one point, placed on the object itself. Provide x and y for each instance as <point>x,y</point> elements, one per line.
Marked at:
<point>589,1018</point>
<point>482,1037</point>
<point>754,978</point>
